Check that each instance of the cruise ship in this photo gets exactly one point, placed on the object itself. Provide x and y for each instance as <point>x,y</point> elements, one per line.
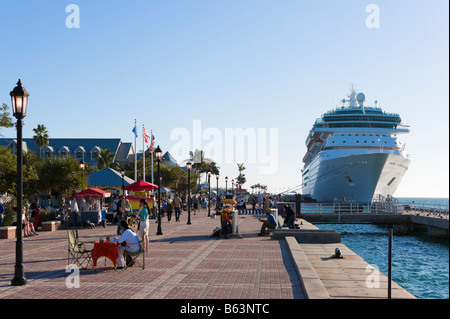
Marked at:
<point>353,153</point>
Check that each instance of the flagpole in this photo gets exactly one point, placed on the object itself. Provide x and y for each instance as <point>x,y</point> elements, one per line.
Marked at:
<point>143,152</point>
<point>151,148</point>
<point>135,151</point>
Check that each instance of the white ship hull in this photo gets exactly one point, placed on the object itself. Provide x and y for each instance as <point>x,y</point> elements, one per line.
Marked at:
<point>353,177</point>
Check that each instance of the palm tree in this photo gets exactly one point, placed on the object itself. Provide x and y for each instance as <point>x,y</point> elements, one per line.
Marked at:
<point>41,137</point>
<point>200,164</point>
<point>105,159</point>
<point>241,178</point>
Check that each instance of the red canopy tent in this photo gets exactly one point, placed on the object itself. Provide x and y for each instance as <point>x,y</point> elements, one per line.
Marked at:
<point>93,192</point>
<point>140,186</point>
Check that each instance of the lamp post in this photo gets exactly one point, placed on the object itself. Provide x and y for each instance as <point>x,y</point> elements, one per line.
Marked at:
<point>82,165</point>
<point>158,154</point>
<point>122,173</point>
<point>19,101</point>
<point>209,197</point>
<point>189,167</point>
<point>217,199</point>
<point>232,188</point>
<point>226,186</point>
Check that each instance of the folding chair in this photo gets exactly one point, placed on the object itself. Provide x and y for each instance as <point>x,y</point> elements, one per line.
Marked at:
<point>133,257</point>
<point>77,252</point>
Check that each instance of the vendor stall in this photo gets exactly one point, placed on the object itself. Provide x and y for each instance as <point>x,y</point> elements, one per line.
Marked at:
<point>141,189</point>
<point>91,203</point>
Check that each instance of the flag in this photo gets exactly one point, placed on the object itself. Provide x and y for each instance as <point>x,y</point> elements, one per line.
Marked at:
<point>134,131</point>
<point>152,146</point>
<point>146,136</point>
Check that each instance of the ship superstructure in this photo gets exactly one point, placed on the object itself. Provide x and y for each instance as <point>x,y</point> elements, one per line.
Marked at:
<point>353,153</point>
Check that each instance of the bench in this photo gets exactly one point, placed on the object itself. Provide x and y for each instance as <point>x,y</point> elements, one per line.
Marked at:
<point>8,232</point>
<point>51,225</point>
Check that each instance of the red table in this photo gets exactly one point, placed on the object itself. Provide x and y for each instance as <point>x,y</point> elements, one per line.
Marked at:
<point>105,249</point>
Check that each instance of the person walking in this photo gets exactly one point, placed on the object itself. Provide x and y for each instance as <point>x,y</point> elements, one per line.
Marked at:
<point>2,214</point>
<point>169,210</point>
<point>253,203</point>
<point>195,204</point>
<point>74,210</point>
<point>177,204</point>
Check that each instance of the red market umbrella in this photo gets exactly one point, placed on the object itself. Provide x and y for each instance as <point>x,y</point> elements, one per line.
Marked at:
<point>140,186</point>
<point>93,192</point>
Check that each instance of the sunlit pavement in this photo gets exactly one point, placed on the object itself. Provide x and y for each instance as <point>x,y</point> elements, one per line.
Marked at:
<point>183,263</point>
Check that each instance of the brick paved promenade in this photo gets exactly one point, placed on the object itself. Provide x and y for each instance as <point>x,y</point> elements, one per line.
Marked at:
<point>183,263</point>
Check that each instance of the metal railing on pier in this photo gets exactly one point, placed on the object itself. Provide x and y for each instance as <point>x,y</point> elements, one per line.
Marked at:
<point>352,208</point>
<point>382,207</point>
<point>430,210</point>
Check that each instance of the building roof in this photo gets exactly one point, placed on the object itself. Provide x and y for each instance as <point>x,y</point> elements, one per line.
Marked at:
<point>84,145</point>
<point>124,152</point>
<point>168,159</point>
<point>108,177</point>
<point>12,144</point>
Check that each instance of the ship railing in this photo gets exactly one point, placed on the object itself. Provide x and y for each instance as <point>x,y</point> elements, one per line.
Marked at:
<point>384,199</point>
<point>352,208</point>
<point>376,208</point>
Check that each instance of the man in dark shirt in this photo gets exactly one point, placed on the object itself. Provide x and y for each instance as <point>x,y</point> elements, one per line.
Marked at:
<point>120,214</point>
<point>290,216</point>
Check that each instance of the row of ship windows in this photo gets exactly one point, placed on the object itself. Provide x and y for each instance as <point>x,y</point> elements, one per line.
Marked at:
<point>367,135</point>
<point>358,142</point>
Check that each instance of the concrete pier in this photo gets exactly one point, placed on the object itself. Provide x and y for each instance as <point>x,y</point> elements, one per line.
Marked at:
<point>185,263</point>
<point>326,277</point>
<point>436,227</point>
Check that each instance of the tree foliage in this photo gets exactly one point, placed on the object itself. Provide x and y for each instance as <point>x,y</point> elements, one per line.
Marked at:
<point>59,176</point>
<point>8,172</point>
<point>173,177</point>
<point>5,118</point>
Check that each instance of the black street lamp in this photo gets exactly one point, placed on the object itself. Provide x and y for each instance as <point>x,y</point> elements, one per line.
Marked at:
<point>189,167</point>
<point>217,200</point>
<point>19,101</point>
<point>158,154</point>
<point>232,188</point>
<point>209,198</point>
<point>82,165</point>
<point>122,173</point>
<point>226,186</point>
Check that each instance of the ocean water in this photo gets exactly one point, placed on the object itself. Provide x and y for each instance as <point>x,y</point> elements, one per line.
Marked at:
<point>419,264</point>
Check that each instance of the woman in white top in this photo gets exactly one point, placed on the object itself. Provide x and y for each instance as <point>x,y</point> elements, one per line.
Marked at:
<point>130,239</point>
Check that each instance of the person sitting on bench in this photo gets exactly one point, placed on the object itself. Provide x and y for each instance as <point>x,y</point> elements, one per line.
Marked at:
<point>269,223</point>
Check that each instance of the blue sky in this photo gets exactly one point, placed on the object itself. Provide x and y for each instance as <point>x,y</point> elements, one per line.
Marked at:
<point>250,64</point>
